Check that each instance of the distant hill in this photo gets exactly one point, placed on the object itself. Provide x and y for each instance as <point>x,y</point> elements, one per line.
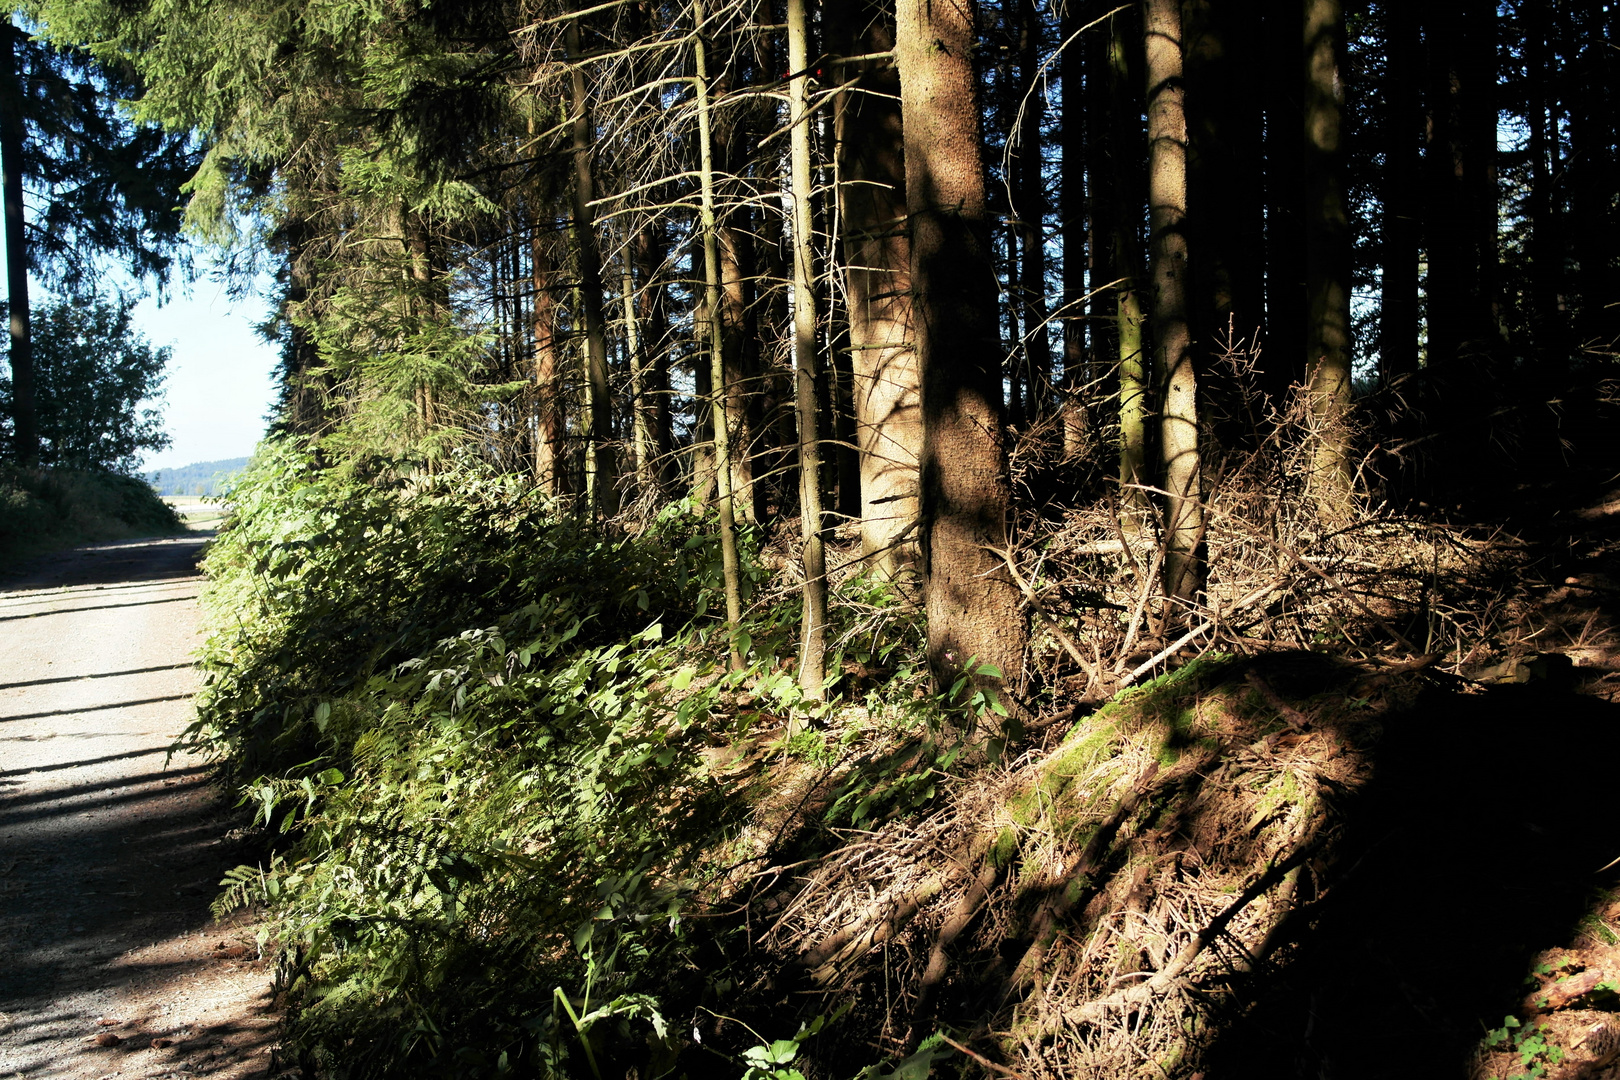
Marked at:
<point>203,478</point>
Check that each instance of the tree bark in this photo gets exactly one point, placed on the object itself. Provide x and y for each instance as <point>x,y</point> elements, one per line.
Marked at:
<point>1113,169</point>
<point>1225,215</point>
<point>973,604</point>
<point>599,471</point>
<point>1284,341</point>
<point>730,569</point>
<point>1327,259</point>
<point>548,454</point>
<point>1461,218</point>
<point>24,415</point>
<point>871,175</point>
<point>649,247</point>
<point>1172,344</point>
<point>640,419</point>
<point>1592,180</point>
<point>812,638</point>
<point>1029,212</point>
<point>1398,197</point>
<point>1078,231</point>
<point>1548,329</point>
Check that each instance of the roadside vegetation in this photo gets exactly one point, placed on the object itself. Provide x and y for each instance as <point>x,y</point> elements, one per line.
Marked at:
<point>810,540</point>
<point>45,509</point>
<point>526,818</point>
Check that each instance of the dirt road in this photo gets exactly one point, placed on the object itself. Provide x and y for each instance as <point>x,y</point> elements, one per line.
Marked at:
<point>110,850</point>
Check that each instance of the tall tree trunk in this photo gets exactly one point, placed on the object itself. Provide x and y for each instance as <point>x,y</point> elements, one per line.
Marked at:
<point>1398,197</point>
<point>1115,169</point>
<point>1029,211</point>
<point>24,416</point>
<point>1225,214</point>
<point>305,407</point>
<point>1078,230</point>
<point>648,246</point>
<point>1172,343</point>
<point>1461,190</point>
<point>641,441</point>
<point>1284,340</point>
<point>1327,259</point>
<point>1013,346</point>
<point>871,184</point>
<point>730,569</point>
<point>599,472</point>
<point>973,604</point>
<point>812,639</point>
<point>1549,337</point>
<point>741,337</point>
<point>548,435</point>
<point>1592,186</point>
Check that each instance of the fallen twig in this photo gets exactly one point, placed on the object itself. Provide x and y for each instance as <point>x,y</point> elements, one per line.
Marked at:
<point>979,1059</point>
<point>1172,972</point>
<point>1295,718</point>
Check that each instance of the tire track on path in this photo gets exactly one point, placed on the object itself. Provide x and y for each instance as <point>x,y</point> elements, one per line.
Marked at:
<point>111,848</point>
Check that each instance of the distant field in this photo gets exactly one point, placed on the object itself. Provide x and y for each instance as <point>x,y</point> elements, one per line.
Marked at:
<point>198,511</point>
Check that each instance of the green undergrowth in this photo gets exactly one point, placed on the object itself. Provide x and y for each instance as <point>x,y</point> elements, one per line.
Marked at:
<point>484,737</point>
<point>516,801</point>
<point>51,508</point>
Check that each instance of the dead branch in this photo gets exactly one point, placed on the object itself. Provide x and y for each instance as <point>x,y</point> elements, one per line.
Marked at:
<point>1060,901</point>
<point>1295,718</point>
<point>1047,621</point>
<point>938,963</point>
<point>1171,973</point>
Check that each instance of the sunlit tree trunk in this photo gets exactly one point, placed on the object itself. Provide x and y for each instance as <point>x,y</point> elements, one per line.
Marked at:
<point>1327,259</point>
<point>641,441</point>
<point>1115,172</point>
<point>871,174</point>
<point>599,478</point>
<point>547,414</point>
<point>973,604</point>
<point>812,646</point>
<point>1172,345</point>
<point>730,570</point>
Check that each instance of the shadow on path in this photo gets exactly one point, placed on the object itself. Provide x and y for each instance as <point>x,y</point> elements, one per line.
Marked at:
<point>111,849</point>
<point>125,561</point>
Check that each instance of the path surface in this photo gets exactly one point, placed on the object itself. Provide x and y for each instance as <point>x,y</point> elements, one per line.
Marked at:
<point>110,851</point>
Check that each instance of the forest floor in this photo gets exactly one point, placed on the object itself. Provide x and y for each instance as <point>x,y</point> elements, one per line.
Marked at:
<point>110,848</point>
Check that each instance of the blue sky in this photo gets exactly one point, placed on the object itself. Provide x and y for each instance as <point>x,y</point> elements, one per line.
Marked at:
<point>221,376</point>
<point>221,380</point>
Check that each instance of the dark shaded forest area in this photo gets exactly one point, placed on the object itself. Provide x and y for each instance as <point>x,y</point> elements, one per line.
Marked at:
<point>828,539</point>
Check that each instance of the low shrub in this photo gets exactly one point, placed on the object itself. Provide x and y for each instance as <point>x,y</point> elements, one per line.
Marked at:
<point>478,730</point>
<point>46,508</point>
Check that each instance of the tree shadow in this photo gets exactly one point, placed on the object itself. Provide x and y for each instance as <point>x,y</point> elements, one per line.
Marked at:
<point>1477,844</point>
<point>126,561</point>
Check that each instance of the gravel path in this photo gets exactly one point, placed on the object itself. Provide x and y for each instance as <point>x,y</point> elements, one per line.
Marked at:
<point>110,850</point>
